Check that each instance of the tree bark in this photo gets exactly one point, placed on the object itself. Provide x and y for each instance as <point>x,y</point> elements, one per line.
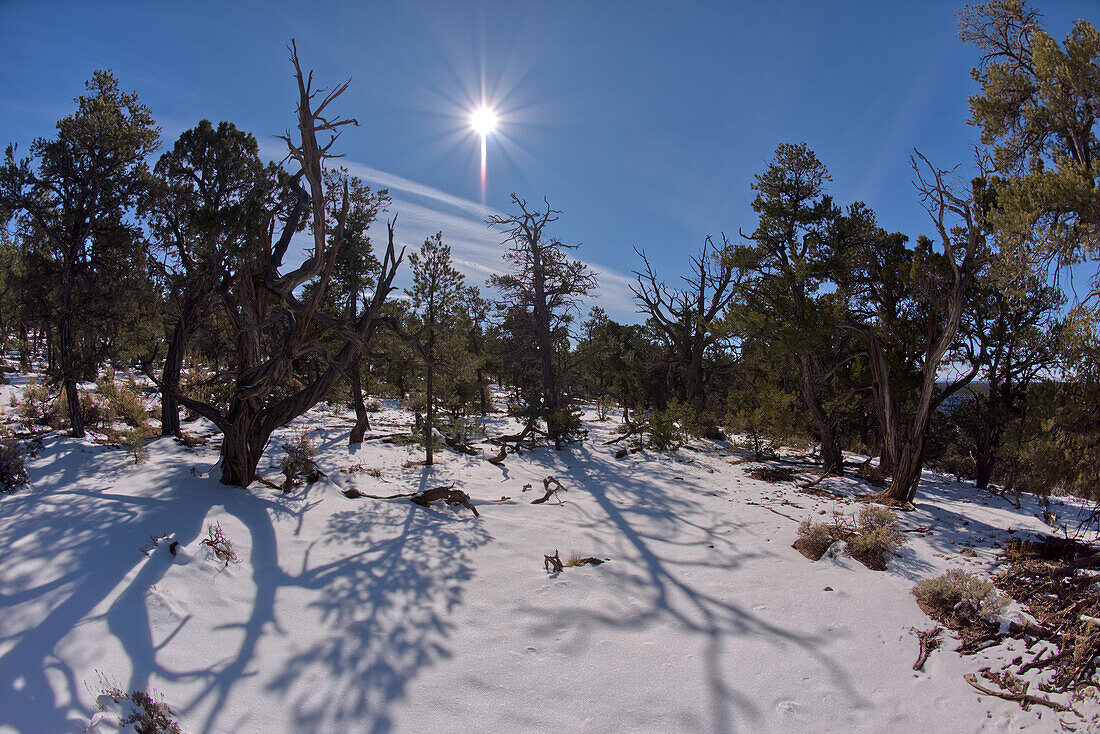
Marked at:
<point>362,421</point>
<point>68,376</point>
<point>832,458</point>
<point>170,375</point>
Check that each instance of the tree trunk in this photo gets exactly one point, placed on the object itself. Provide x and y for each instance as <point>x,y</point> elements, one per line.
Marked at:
<point>243,442</point>
<point>906,473</point>
<point>832,459</point>
<point>68,376</point>
<point>483,392</point>
<point>24,349</point>
<point>429,422</point>
<point>983,459</point>
<point>173,366</point>
<point>362,421</point>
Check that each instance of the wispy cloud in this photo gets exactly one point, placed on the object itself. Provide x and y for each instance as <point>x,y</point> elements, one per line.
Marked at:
<point>476,249</point>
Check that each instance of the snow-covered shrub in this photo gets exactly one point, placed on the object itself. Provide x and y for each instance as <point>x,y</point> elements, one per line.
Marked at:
<point>147,713</point>
<point>959,599</point>
<point>870,537</point>
<point>13,472</point>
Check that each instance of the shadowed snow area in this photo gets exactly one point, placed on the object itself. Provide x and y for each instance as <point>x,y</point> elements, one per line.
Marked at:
<point>374,615</point>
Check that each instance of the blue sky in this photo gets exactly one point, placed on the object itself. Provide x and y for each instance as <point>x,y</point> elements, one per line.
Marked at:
<point>643,122</point>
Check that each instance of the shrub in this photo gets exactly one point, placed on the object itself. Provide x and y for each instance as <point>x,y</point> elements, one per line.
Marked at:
<point>373,405</point>
<point>814,538</point>
<point>124,399</point>
<point>133,440</point>
<point>147,713</point>
<point>875,537</point>
<point>870,537</point>
<point>299,460</point>
<point>219,544</point>
<point>959,599</point>
<point>13,472</point>
<point>39,406</point>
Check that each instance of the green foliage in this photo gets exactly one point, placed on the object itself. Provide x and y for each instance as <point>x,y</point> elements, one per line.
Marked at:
<point>124,400</point>
<point>959,599</point>
<point>13,471</point>
<point>87,278</point>
<point>1037,111</point>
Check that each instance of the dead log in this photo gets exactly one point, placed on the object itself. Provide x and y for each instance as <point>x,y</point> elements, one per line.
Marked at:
<point>498,460</point>
<point>552,564</point>
<point>448,494</point>
<point>1022,698</point>
<point>550,490</point>
<point>929,641</point>
<point>590,561</point>
<point>460,447</point>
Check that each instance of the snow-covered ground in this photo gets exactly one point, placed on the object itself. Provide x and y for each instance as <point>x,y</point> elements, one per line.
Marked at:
<point>372,615</point>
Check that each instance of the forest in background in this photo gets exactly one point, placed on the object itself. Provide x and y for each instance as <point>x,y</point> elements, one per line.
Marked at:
<point>811,326</point>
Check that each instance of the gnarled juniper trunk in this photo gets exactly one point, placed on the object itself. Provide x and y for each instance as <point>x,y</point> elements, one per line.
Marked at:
<point>362,421</point>
<point>170,375</point>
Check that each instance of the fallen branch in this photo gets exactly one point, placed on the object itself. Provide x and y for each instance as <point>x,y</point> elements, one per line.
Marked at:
<point>462,448</point>
<point>498,460</point>
<point>354,494</point>
<point>1024,699</point>
<point>448,494</point>
<point>929,641</point>
<point>549,490</point>
<point>552,564</point>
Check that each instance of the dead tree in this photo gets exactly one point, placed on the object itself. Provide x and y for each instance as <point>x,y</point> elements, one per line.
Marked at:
<point>544,285</point>
<point>276,322</point>
<point>686,318</point>
<point>965,255</point>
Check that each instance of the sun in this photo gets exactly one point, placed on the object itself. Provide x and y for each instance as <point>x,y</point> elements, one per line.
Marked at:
<point>483,120</point>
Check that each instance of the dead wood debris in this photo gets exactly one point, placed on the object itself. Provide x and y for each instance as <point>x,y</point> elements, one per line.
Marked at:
<point>448,494</point>
<point>552,564</point>
<point>498,460</point>
<point>929,641</point>
<point>459,446</point>
<point>550,490</point>
<point>773,474</point>
<point>1017,690</point>
<point>425,498</point>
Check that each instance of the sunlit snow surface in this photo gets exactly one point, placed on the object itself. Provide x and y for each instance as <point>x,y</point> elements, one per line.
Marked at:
<point>377,615</point>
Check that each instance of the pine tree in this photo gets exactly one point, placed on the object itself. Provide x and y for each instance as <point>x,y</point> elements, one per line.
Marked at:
<point>438,295</point>
<point>73,206</point>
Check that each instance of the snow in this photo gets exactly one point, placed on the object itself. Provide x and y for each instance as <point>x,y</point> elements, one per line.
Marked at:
<point>376,615</point>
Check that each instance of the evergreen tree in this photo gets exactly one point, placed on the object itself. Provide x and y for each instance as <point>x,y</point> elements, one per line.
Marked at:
<point>206,207</point>
<point>1037,111</point>
<point>438,296</point>
<point>73,205</point>
<point>785,270</point>
<point>542,289</point>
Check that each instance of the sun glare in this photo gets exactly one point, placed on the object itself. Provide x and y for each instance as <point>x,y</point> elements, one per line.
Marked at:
<point>483,120</point>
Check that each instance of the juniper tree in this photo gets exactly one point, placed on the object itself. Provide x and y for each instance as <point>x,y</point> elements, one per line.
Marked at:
<point>276,323</point>
<point>1037,111</point>
<point>73,197</point>
<point>786,266</point>
<point>540,294</point>
<point>438,297</point>
<point>205,209</point>
<point>688,319</point>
